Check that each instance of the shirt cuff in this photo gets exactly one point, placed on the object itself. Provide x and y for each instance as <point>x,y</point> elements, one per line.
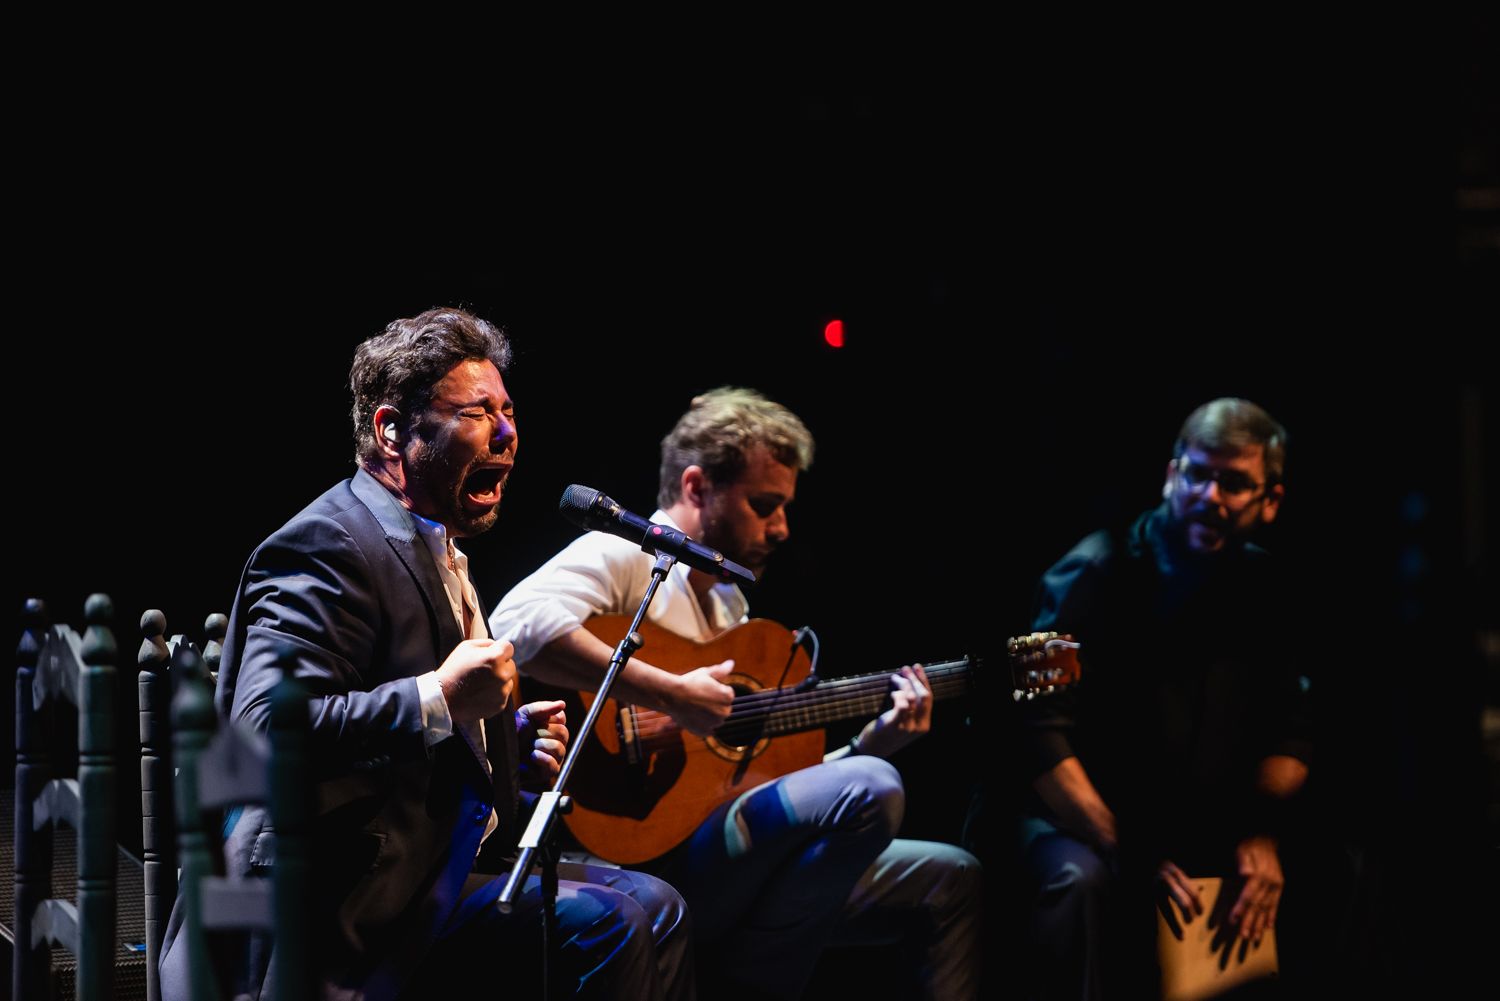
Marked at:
<point>437,722</point>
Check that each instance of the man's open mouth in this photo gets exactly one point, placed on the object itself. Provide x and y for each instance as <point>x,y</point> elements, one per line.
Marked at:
<point>482,487</point>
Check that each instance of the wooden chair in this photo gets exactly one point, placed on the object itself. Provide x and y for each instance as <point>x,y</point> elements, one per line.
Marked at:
<point>221,765</point>
<point>154,701</point>
<point>57,666</point>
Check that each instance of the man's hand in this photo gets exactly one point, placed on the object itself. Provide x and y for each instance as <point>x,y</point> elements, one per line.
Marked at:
<point>1260,867</point>
<point>909,717</point>
<point>545,725</point>
<point>701,701</point>
<point>478,679</point>
<point>1179,889</point>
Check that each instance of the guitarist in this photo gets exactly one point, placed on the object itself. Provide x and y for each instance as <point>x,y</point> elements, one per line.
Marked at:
<point>809,858</point>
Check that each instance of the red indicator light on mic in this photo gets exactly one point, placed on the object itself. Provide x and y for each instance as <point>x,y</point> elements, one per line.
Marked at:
<point>834,333</point>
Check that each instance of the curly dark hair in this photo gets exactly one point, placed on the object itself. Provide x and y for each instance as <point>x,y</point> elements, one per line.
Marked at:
<point>401,365</point>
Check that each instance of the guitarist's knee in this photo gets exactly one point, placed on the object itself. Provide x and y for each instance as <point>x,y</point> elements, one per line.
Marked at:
<point>872,789</point>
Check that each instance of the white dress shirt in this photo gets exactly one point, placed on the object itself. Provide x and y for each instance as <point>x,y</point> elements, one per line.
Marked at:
<point>453,570</point>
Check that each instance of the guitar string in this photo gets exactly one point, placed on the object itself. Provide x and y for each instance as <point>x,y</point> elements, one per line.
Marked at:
<point>752,704</point>
<point>665,733</point>
<point>656,730</point>
<point>788,706</point>
<point>823,704</point>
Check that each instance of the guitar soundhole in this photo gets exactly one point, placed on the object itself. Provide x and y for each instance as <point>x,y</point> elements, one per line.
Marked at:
<point>738,739</point>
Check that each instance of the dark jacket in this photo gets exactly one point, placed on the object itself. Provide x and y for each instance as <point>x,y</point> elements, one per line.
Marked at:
<point>347,591</point>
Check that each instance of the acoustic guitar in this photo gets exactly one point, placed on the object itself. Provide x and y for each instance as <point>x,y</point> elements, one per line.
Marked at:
<point>643,784</point>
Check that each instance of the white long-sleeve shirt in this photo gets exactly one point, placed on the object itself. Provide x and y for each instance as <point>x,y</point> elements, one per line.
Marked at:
<point>601,574</point>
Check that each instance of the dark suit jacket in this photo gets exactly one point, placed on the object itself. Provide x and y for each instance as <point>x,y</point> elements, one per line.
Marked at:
<point>348,594</point>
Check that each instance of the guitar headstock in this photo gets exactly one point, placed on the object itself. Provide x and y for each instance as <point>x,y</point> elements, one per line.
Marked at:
<point>1042,664</point>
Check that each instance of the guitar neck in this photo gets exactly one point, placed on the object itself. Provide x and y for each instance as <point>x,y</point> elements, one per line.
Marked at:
<point>777,711</point>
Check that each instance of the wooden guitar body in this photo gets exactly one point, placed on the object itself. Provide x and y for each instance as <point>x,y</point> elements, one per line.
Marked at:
<point>642,785</point>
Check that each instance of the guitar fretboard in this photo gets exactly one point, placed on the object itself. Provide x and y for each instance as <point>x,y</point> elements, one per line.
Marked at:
<point>775,712</point>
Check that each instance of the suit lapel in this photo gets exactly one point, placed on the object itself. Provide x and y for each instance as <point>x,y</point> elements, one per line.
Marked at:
<point>401,534</point>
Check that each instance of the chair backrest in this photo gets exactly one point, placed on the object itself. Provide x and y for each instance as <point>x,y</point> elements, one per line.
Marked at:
<point>158,840</point>
<point>57,666</point>
<point>219,765</point>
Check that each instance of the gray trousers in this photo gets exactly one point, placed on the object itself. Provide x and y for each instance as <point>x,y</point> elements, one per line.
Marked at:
<point>808,860</point>
<point>1092,930</point>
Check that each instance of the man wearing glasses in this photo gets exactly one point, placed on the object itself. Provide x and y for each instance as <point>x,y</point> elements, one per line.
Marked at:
<point>1177,754</point>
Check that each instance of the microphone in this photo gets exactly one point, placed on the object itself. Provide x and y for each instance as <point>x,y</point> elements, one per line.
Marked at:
<point>591,510</point>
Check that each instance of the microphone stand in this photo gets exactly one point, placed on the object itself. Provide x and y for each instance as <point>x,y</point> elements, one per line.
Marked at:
<point>536,840</point>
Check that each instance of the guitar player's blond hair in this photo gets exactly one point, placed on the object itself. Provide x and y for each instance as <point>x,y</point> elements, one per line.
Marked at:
<point>718,430</point>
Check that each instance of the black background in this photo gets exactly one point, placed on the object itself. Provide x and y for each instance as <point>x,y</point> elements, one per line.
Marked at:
<point>1042,267</point>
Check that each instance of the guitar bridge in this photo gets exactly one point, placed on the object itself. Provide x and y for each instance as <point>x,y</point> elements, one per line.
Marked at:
<point>630,741</point>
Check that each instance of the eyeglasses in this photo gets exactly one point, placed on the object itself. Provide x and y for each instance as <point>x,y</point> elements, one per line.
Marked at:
<point>1235,486</point>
